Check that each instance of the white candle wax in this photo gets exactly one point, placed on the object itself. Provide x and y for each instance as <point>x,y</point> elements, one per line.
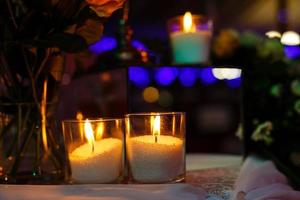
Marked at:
<point>101,166</point>
<point>160,161</point>
<point>190,47</point>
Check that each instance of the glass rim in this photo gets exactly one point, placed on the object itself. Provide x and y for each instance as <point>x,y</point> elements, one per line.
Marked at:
<point>154,114</point>
<point>92,120</point>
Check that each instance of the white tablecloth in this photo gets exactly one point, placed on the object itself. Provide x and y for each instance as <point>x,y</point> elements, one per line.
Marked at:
<point>124,192</point>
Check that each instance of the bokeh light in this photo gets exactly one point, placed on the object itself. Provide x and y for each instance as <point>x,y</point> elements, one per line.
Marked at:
<point>166,75</point>
<point>290,38</point>
<point>292,52</point>
<point>165,99</point>
<point>234,83</point>
<point>139,45</point>
<point>187,76</point>
<point>150,94</point>
<point>273,34</point>
<point>105,76</point>
<point>206,76</point>
<point>226,73</point>
<point>109,43</point>
<point>139,76</point>
<point>105,44</point>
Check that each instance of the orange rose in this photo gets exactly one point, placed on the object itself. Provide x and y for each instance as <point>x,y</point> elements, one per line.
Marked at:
<point>104,8</point>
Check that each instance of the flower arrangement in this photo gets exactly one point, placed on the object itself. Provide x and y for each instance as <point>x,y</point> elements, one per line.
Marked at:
<point>34,37</point>
<point>271,97</point>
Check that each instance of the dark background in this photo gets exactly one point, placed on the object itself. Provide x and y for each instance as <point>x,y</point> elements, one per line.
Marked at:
<point>148,18</point>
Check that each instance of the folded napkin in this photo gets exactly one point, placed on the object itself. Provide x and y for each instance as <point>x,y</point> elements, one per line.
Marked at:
<point>101,192</point>
<point>260,180</point>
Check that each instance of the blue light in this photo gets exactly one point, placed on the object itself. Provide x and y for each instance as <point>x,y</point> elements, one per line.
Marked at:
<point>105,44</point>
<point>139,76</point>
<point>138,45</point>
<point>292,52</point>
<point>187,76</point>
<point>207,76</point>
<point>234,83</point>
<point>166,75</point>
<point>109,43</point>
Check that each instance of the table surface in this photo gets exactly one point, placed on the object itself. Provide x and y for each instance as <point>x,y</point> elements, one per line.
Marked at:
<point>205,161</point>
<point>214,173</point>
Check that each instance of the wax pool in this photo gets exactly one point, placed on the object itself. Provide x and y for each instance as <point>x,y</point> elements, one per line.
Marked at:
<point>190,47</point>
<point>101,166</point>
<point>152,162</point>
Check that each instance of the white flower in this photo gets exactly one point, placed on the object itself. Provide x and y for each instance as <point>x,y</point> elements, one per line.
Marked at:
<point>263,133</point>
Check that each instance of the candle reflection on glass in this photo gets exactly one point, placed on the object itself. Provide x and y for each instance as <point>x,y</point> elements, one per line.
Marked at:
<point>155,153</point>
<point>98,158</point>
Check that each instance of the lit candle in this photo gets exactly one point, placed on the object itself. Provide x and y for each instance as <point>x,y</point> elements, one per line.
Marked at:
<point>96,161</point>
<point>191,44</point>
<point>155,158</point>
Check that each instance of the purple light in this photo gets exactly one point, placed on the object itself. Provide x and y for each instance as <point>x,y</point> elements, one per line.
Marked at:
<point>174,27</point>
<point>105,44</point>
<point>138,45</point>
<point>234,83</point>
<point>139,76</point>
<point>187,76</point>
<point>166,75</point>
<point>292,52</point>
<point>207,76</point>
<point>109,43</point>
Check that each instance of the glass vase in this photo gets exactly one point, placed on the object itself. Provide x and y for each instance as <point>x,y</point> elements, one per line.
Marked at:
<point>30,146</point>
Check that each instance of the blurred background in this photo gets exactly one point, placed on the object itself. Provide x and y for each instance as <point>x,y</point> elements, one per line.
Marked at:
<point>211,95</point>
<point>148,18</point>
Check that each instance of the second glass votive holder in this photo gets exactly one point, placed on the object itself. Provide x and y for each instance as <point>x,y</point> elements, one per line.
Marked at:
<point>95,150</point>
<point>155,147</point>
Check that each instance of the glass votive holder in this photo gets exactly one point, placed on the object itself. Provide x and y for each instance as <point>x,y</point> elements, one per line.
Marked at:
<point>190,37</point>
<point>155,147</point>
<point>95,150</point>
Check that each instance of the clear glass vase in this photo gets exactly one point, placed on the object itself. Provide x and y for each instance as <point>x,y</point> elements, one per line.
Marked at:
<point>30,144</point>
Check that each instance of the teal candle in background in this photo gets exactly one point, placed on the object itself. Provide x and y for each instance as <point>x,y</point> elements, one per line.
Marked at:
<point>190,37</point>
<point>190,48</point>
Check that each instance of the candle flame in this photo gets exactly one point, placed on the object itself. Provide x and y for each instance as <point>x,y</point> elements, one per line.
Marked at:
<point>188,25</point>
<point>89,133</point>
<point>155,127</point>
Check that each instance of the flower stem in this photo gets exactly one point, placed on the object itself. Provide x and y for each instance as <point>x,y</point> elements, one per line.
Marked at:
<point>33,85</point>
<point>23,148</point>
<point>12,17</point>
<point>41,67</point>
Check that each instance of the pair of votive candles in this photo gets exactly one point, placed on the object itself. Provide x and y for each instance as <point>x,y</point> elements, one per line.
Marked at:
<point>142,148</point>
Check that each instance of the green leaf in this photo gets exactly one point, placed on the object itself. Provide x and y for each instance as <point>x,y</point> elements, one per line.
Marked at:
<point>69,42</point>
<point>56,66</point>
<point>91,30</point>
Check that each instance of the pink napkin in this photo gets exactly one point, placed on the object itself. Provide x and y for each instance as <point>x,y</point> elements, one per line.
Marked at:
<point>260,180</point>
